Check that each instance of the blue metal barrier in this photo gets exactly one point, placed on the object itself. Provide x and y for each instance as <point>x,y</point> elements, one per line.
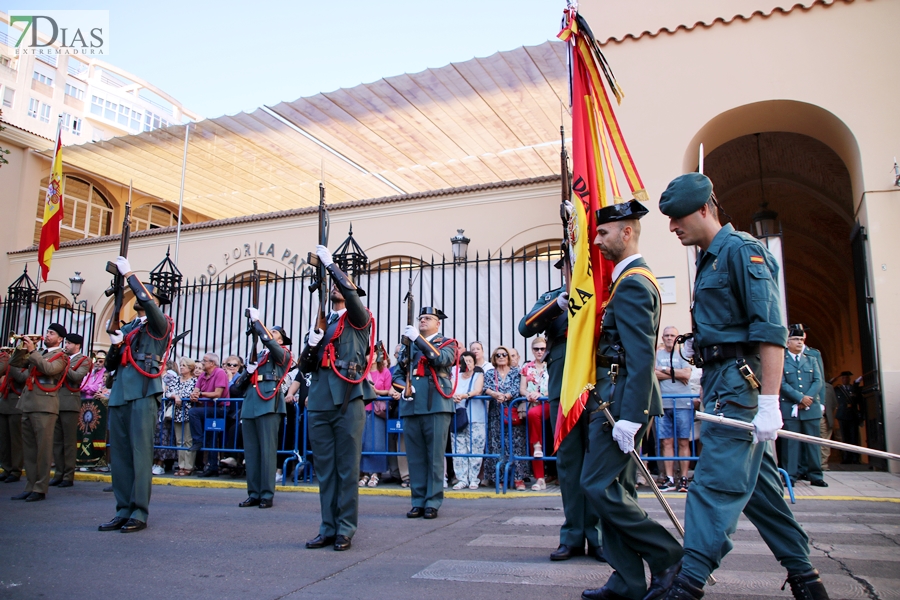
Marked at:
<point>544,403</point>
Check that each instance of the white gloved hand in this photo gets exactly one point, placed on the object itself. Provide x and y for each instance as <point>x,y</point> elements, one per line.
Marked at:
<point>570,208</point>
<point>768,419</point>
<point>123,265</point>
<point>251,367</point>
<point>795,411</point>
<point>688,349</point>
<point>117,337</point>
<point>324,255</point>
<point>315,336</point>
<point>253,312</point>
<point>562,300</point>
<point>623,433</point>
<point>411,332</point>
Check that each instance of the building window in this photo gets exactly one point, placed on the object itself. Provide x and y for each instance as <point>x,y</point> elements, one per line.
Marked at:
<point>75,92</point>
<point>96,105</point>
<point>110,110</point>
<point>45,79</point>
<point>546,250</point>
<point>72,124</point>
<point>5,61</point>
<point>123,115</point>
<point>151,216</point>
<point>34,107</point>
<point>45,113</point>
<point>87,211</point>
<point>136,120</point>
<point>9,95</point>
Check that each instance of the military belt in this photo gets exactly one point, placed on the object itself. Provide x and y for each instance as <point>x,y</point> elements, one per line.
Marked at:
<point>268,377</point>
<point>608,361</point>
<point>720,352</point>
<point>140,356</point>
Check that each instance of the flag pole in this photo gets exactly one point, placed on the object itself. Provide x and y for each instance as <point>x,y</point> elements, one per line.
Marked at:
<point>187,131</point>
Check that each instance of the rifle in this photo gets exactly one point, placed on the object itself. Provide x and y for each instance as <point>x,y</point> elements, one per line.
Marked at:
<point>117,286</point>
<point>254,301</point>
<point>563,214</point>
<point>410,300</point>
<point>318,283</point>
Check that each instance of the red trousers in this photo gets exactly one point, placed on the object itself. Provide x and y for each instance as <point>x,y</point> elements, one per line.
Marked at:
<point>537,414</point>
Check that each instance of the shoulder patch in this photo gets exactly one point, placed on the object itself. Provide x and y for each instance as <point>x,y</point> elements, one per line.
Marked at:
<point>757,259</point>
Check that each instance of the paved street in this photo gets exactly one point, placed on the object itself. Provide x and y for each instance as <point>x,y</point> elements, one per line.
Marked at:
<point>201,545</point>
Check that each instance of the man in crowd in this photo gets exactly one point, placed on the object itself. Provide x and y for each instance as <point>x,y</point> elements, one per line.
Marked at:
<point>338,362</point>
<point>849,414</point>
<point>40,409</point>
<point>739,337</point>
<point>801,410</point>
<point>11,386</point>
<point>65,435</point>
<point>626,380</point>
<point>674,373</point>
<point>426,408</point>
<point>212,385</point>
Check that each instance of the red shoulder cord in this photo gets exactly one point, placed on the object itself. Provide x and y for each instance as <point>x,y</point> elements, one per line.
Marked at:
<point>423,362</point>
<point>75,368</point>
<point>8,385</point>
<point>32,379</point>
<point>255,378</point>
<point>127,357</point>
<point>328,355</point>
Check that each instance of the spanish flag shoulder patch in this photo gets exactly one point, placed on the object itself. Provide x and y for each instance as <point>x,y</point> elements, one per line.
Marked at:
<point>757,259</point>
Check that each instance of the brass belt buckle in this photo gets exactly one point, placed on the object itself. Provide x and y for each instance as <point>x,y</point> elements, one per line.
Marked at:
<point>747,373</point>
<point>613,372</point>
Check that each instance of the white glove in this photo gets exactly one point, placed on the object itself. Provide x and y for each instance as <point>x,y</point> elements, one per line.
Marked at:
<point>123,265</point>
<point>315,336</point>
<point>768,419</point>
<point>623,433</point>
<point>117,337</point>
<point>253,312</point>
<point>251,367</point>
<point>570,208</point>
<point>562,300</point>
<point>688,349</point>
<point>324,255</point>
<point>795,411</point>
<point>411,332</point>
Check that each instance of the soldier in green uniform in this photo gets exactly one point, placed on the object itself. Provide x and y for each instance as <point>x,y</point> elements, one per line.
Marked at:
<point>803,470</point>
<point>549,315</point>
<point>739,336</point>
<point>138,355</point>
<point>427,362</point>
<point>626,378</point>
<point>65,435</point>
<point>11,386</point>
<point>263,411</point>
<point>40,409</point>
<point>338,360</point>
<point>801,409</point>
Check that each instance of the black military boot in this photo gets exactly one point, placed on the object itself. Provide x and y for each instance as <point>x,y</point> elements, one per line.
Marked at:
<point>807,586</point>
<point>682,589</point>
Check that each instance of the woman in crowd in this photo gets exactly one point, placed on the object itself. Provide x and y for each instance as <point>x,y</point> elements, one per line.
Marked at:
<point>533,386</point>
<point>375,433</point>
<point>164,426</point>
<point>179,393</point>
<point>470,439</point>
<point>502,384</point>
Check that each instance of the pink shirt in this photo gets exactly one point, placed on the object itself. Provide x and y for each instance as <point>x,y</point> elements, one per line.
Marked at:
<point>209,383</point>
<point>93,382</point>
<point>381,380</point>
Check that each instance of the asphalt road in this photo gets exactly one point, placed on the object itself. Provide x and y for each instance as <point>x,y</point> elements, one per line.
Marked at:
<point>200,545</point>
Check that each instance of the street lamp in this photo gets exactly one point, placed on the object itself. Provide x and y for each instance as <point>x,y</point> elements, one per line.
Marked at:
<point>765,221</point>
<point>460,246</point>
<point>75,284</point>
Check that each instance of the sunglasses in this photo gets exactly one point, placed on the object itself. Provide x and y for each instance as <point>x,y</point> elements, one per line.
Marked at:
<point>232,365</point>
<point>501,355</point>
<point>539,349</point>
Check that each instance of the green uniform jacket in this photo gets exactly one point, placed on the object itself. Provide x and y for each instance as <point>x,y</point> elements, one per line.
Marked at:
<point>440,354</point>
<point>630,326</point>
<point>15,385</point>
<point>801,379</point>
<point>152,340</point>
<point>272,367</point>
<point>818,357</point>
<point>50,367</point>
<point>69,393</point>
<point>546,316</point>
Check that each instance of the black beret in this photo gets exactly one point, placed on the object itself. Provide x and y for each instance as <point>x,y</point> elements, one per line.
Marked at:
<point>75,338</point>
<point>685,195</point>
<point>59,329</point>
<point>621,212</point>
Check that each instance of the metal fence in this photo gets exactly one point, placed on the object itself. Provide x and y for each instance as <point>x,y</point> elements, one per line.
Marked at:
<point>35,317</point>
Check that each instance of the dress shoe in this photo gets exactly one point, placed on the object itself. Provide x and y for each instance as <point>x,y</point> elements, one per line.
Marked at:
<point>682,589</point>
<point>415,512</point>
<point>3,476</point>
<point>11,479</point>
<point>35,497</point>
<point>341,543</point>
<point>66,483</point>
<point>209,473</point>
<point>132,525</point>
<point>662,581</point>
<point>596,552</point>
<point>21,496</point>
<point>430,513</point>
<point>113,524</point>
<point>603,593</point>
<point>55,481</point>
<point>265,503</point>
<point>320,541</point>
<point>249,502</point>
<point>807,585</point>
<point>566,552</point>
<point>818,483</point>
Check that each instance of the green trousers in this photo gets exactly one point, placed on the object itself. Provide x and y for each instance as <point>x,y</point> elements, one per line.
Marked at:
<point>803,458</point>
<point>37,449</point>
<point>426,439</point>
<point>582,521</point>
<point>131,429</point>
<point>336,441</point>
<point>261,454</point>
<point>11,443</point>
<point>630,536</point>
<point>65,444</point>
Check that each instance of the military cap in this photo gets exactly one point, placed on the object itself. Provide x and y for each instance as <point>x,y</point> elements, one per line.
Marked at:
<point>621,212</point>
<point>285,339</point>
<point>795,331</point>
<point>430,310</point>
<point>846,373</point>
<point>685,195</point>
<point>75,339</point>
<point>59,329</point>
<point>799,326</point>
<point>151,289</point>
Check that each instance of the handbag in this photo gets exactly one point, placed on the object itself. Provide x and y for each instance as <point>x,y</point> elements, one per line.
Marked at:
<point>516,415</point>
<point>462,412</point>
<point>168,413</point>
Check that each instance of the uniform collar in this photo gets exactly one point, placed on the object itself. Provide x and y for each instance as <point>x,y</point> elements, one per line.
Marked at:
<point>54,349</point>
<point>432,336</point>
<point>796,356</point>
<point>719,240</point>
<point>623,264</point>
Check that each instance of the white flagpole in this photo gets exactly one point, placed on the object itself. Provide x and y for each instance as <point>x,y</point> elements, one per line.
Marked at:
<point>187,131</point>
<point>701,158</point>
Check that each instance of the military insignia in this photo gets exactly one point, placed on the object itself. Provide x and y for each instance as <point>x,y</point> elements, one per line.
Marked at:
<point>715,264</point>
<point>757,259</point>
<point>87,418</point>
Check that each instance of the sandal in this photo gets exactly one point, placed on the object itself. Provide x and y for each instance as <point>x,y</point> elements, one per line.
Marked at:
<point>539,486</point>
<point>373,480</point>
<point>520,485</point>
<point>363,480</point>
<point>473,486</point>
<point>404,483</point>
<point>538,451</point>
<point>461,485</point>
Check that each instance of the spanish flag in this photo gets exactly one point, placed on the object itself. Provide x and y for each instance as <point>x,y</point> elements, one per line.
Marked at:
<point>54,210</point>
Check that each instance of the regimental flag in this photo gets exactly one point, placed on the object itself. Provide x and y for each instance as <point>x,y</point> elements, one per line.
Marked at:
<point>594,131</point>
<point>54,211</point>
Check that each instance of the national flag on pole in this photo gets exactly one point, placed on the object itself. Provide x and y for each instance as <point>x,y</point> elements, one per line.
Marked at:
<point>54,210</point>
<point>594,131</point>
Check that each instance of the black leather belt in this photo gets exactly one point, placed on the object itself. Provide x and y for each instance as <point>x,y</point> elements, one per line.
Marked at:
<point>139,356</point>
<point>268,377</point>
<point>607,361</point>
<point>720,352</point>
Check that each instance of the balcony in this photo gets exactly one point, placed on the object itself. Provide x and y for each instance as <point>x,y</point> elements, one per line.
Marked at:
<point>74,102</point>
<point>42,88</point>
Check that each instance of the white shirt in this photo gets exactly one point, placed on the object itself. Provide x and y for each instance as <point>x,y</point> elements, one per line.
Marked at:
<point>796,357</point>
<point>623,264</point>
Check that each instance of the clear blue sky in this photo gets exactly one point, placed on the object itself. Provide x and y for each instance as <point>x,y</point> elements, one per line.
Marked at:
<point>225,57</point>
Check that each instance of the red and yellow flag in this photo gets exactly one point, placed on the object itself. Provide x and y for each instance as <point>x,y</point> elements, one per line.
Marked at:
<point>594,131</point>
<point>54,211</point>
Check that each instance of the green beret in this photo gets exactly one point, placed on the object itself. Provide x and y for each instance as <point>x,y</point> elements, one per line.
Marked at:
<point>685,194</point>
